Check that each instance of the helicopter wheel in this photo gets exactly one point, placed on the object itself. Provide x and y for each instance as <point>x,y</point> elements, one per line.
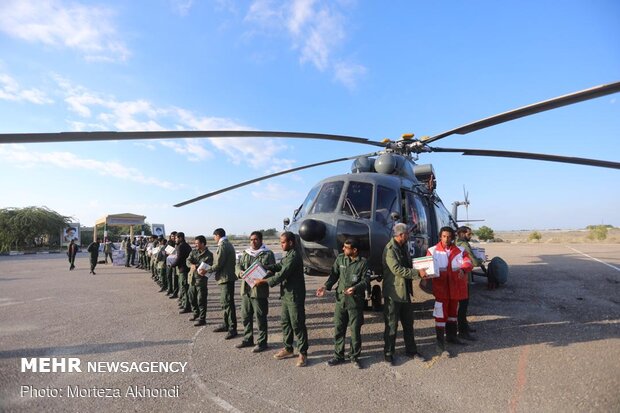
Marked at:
<point>375,298</point>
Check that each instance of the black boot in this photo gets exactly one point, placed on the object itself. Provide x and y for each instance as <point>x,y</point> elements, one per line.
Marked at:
<point>440,349</point>
<point>464,332</point>
<point>451,334</point>
<point>462,316</point>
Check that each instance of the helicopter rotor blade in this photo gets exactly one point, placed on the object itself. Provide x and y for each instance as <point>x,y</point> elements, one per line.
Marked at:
<point>262,178</point>
<point>533,156</point>
<point>134,135</point>
<point>554,103</point>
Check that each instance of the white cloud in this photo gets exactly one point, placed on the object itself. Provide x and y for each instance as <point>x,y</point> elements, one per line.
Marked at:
<point>316,28</point>
<point>10,90</point>
<point>272,192</point>
<point>182,7</point>
<point>109,113</point>
<point>348,73</point>
<point>257,153</point>
<point>148,146</point>
<point>85,28</point>
<point>193,149</point>
<point>23,157</point>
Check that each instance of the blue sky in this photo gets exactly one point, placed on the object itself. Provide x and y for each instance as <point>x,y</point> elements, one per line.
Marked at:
<point>369,69</point>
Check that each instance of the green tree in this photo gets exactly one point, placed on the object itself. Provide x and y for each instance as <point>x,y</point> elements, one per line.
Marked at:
<point>534,236</point>
<point>485,233</point>
<point>598,232</point>
<point>30,227</point>
<point>269,232</point>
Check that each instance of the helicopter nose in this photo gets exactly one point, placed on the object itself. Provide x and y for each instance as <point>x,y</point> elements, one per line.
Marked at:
<point>312,230</point>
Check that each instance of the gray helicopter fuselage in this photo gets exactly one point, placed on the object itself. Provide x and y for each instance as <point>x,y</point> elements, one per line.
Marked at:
<point>365,206</point>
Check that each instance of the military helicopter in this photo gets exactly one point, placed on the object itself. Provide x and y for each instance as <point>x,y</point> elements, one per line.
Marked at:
<point>383,188</point>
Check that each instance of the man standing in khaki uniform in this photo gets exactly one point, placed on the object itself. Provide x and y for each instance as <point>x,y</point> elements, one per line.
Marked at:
<point>197,280</point>
<point>398,275</point>
<point>254,300</point>
<point>224,263</point>
<point>289,274</point>
<point>463,238</point>
<point>350,271</point>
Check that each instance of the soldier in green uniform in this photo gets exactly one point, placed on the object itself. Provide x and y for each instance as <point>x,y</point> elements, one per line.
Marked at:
<point>350,271</point>
<point>289,273</point>
<point>181,252</point>
<point>71,253</point>
<point>159,263</point>
<point>93,250</point>
<point>463,238</point>
<point>224,263</point>
<point>197,280</point>
<point>254,300</point>
<point>128,251</point>
<point>398,275</point>
<point>171,273</point>
<point>108,246</point>
<point>141,253</point>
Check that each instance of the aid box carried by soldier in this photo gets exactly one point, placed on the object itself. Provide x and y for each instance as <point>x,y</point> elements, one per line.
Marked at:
<point>479,253</point>
<point>204,267</point>
<point>253,273</point>
<point>425,263</point>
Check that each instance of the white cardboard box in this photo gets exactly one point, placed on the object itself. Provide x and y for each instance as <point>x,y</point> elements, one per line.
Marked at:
<point>425,263</point>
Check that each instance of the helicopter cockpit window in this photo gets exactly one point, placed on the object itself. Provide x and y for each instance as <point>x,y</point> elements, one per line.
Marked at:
<point>305,207</point>
<point>416,215</point>
<point>328,197</point>
<point>443,217</point>
<point>358,200</point>
<point>422,221</point>
<point>387,202</point>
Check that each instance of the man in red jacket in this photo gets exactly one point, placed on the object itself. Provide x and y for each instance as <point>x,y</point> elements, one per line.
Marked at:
<point>452,264</point>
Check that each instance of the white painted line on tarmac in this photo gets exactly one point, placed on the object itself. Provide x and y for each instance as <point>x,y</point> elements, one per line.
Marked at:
<point>201,384</point>
<point>595,259</point>
<point>11,303</point>
<point>253,394</point>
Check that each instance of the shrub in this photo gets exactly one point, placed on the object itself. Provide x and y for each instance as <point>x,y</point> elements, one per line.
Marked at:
<point>534,236</point>
<point>598,232</point>
<point>485,233</point>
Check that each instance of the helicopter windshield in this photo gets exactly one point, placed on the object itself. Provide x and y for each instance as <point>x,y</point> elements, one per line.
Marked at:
<point>358,200</point>
<point>443,216</point>
<point>387,202</point>
<point>305,207</point>
<point>328,198</point>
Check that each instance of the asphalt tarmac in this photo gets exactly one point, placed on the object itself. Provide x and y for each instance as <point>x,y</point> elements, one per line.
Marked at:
<point>548,341</point>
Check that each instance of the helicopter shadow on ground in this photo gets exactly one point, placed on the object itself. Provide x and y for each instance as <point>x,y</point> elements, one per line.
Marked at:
<point>542,303</point>
<point>546,303</point>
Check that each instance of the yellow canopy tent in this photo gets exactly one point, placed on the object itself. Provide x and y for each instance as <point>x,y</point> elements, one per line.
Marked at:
<point>119,219</point>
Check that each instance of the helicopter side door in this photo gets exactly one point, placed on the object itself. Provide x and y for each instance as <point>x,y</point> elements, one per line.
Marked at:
<point>415,215</point>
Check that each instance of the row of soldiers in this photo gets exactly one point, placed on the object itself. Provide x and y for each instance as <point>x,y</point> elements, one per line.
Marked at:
<point>182,272</point>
